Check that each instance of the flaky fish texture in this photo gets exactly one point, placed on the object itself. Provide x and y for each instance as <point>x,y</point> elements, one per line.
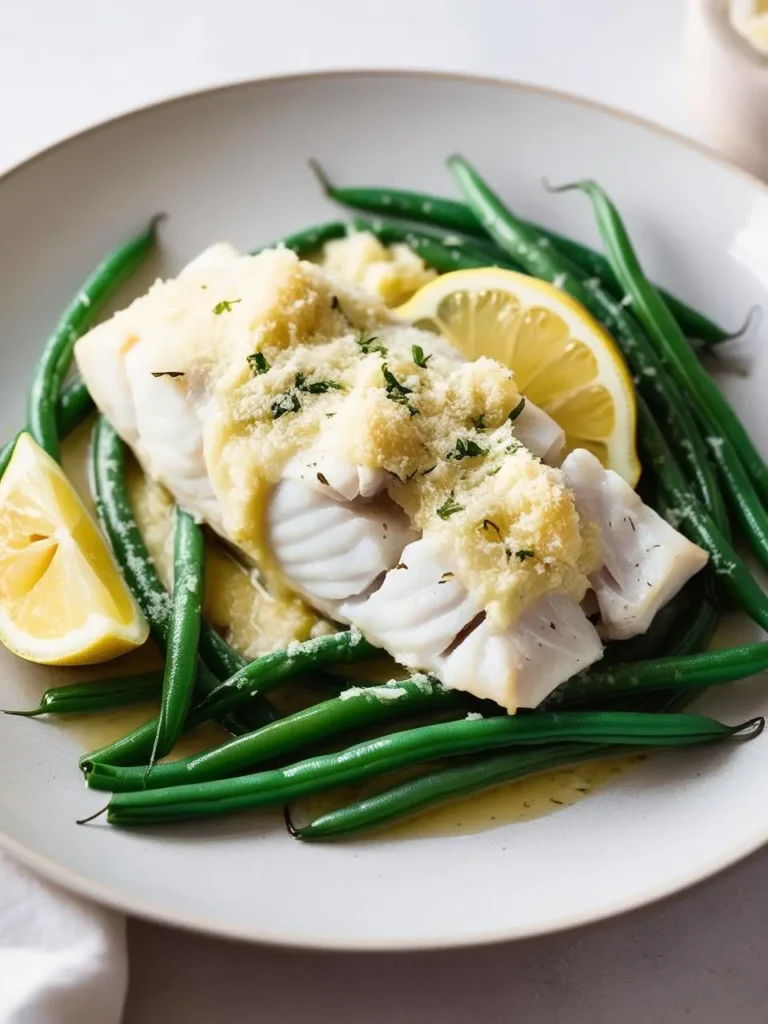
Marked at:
<point>342,541</point>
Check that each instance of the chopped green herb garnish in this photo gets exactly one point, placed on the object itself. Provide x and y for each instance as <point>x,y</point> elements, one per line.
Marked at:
<point>370,343</point>
<point>258,363</point>
<point>466,448</point>
<point>479,422</point>
<point>488,524</point>
<point>516,411</point>
<point>418,356</point>
<point>449,507</point>
<point>513,446</point>
<point>289,402</point>
<point>316,387</point>
<point>168,373</point>
<point>397,392</point>
<point>225,306</point>
<point>524,553</point>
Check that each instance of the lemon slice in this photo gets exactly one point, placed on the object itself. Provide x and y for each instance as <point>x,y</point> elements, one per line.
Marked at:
<point>62,598</point>
<point>563,360</point>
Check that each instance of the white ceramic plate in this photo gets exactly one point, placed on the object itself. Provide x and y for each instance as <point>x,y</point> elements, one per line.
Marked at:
<point>231,164</point>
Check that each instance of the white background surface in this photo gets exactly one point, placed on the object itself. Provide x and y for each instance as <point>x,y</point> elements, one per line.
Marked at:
<point>63,66</point>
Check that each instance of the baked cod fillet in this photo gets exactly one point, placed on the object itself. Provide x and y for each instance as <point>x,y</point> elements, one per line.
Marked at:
<point>395,486</point>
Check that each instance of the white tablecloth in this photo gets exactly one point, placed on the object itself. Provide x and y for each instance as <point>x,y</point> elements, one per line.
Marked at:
<point>64,65</point>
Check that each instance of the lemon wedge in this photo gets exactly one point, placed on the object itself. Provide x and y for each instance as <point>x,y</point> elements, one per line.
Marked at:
<point>62,598</point>
<point>563,360</point>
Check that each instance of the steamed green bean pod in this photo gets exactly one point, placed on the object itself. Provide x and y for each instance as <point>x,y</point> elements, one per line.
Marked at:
<point>414,746</point>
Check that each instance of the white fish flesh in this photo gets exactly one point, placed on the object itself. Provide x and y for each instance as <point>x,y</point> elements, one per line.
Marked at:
<point>333,529</point>
<point>644,560</point>
<point>535,429</point>
<point>427,619</point>
<point>342,542</point>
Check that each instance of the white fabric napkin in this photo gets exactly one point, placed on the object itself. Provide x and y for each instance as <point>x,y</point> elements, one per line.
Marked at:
<point>62,960</point>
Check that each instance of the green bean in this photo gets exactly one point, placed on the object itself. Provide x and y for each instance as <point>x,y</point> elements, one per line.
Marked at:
<point>81,313</point>
<point>602,688</point>
<point>696,637</point>
<point>743,496</point>
<point>357,708</point>
<point>133,748</point>
<point>442,253</point>
<point>698,633</point>
<point>273,669</point>
<point>75,403</point>
<point>98,695</point>
<point>730,570</point>
<point>693,672</point>
<point>651,380</point>
<point>454,216</point>
<point>416,795</point>
<point>657,635</point>
<point>238,694</point>
<point>411,747</point>
<point>183,633</point>
<point>665,333</point>
<point>113,505</point>
<point>310,240</point>
<point>220,661</point>
<point>108,465</point>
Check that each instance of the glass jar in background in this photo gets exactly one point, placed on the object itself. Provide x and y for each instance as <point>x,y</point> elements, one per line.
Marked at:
<point>726,77</point>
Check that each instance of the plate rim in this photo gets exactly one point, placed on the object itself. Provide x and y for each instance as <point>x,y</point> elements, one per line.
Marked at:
<point>116,899</point>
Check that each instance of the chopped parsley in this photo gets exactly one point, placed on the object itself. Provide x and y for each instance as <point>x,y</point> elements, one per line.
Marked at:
<point>466,448</point>
<point>316,387</point>
<point>167,373</point>
<point>418,356</point>
<point>516,411</point>
<point>524,553</point>
<point>225,306</point>
<point>479,422</point>
<point>449,507</point>
<point>289,402</point>
<point>258,363</point>
<point>397,392</point>
<point>369,343</point>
